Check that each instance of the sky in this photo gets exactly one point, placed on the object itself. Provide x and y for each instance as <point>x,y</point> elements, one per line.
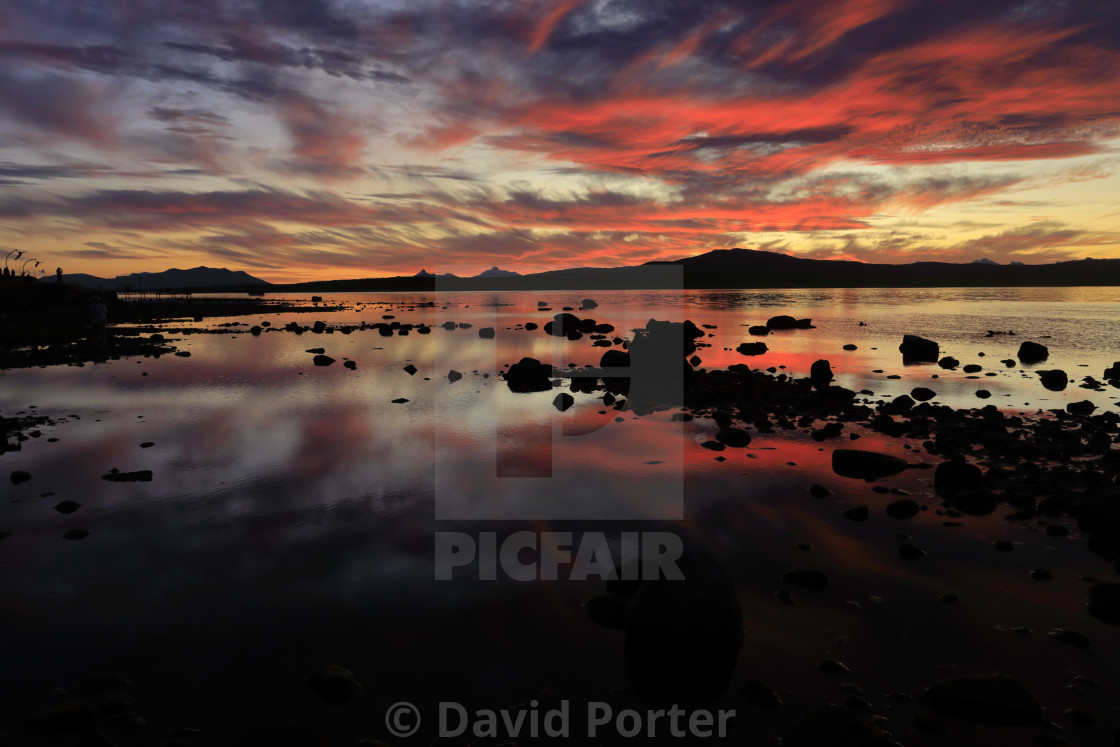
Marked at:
<point>318,139</point>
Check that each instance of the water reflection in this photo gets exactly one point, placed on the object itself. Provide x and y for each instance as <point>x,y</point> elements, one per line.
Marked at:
<point>293,507</point>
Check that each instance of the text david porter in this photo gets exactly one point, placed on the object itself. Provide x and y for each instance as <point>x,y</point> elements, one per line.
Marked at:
<point>455,720</point>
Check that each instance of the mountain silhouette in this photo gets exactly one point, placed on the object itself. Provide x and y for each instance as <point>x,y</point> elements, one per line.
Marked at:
<point>197,277</point>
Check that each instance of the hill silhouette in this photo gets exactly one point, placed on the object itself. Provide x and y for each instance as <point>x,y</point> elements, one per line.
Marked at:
<point>751,268</point>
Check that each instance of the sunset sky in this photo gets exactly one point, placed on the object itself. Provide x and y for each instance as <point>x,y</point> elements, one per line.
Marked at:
<point>314,139</point>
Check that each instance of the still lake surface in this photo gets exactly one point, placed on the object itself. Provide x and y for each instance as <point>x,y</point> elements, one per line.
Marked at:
<point>291,517</point>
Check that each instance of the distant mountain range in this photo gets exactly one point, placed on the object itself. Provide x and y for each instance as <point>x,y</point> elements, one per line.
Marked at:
<point>197,277</point>
<point>721,268</point>
<point>749,268</point>
<point>493,272</point>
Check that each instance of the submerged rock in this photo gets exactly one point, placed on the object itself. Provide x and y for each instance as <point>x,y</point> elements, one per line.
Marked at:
<point>19,476</point>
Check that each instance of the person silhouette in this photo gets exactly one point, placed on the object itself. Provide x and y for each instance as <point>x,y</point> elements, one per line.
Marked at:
<point>58,275</point>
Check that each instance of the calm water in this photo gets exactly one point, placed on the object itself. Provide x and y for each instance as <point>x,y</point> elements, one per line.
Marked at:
<point>291,516</point>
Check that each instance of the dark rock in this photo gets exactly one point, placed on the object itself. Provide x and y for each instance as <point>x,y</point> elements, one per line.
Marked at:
<point>530,326</point>
<point>914,348</point>
<point>782,321</point>
<point>18,476</point>
<point>734,437</point>
<point>334,684</point>
<point>562,324</point>
<point>804,324</point>
<point>1069,637</point>
<point>922,394</point>
<point>901,403</point>
<point>453,376</point>
<point>182,353</point>
<point>102,683</point>
<point>1113,372</point>
<point>530,375</point>
<point>1084,407</point>
<point>907,551</point>
<point>1032,352</point>
<point>410,369</point>
<point>563,401</point>
<point>587,304</point>
<point>850,346</point>
<point>315,350</point>
<point>695,361</point>
<point>819,491</point>
<point>1080,716</point>
<point>399,400</point>
<point>760,695</point>
<point>820,372</point>
<point>832,666</point>
<point>952,477</point>
<point>67,507</point>
<point>806,578</point>
<point>993,699</point>
<point>322,360</point>
<point>928,723</point>
<point>486,333</point>
<point>973,368</point>
<point>147,444</point>
<point>858,513</point>
<point>903,509</point>
<point>115,475</point>
<point>1055,380</point>
<point>758,331</point>
<point>350,365</point>
<point>1004,545</point>
<point>69,717</point>
<point>1104,603</point>
<point>752,348</point>
<point>836,726</point>
<point>865,464</point>
<point>983,393</point>
<point>948,362</point>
